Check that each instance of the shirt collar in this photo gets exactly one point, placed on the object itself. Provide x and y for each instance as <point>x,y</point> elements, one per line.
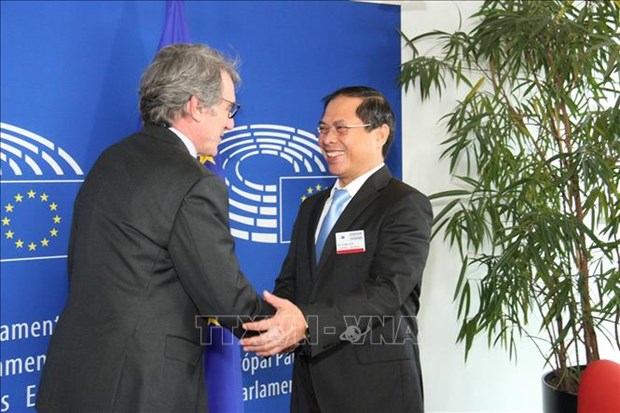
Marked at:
<point>188,144</point>
<point>354,186</point>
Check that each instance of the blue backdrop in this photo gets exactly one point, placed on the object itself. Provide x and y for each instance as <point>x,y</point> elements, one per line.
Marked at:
<point>69,78</point>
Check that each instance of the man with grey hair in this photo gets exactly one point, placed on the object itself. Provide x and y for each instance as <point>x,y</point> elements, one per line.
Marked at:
<point>150,251</point>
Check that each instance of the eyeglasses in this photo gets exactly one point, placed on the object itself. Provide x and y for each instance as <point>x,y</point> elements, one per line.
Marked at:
<point>341,130</point>
<point>234,108</point>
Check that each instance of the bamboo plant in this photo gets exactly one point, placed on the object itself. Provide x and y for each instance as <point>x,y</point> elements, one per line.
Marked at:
<point>534,150</point>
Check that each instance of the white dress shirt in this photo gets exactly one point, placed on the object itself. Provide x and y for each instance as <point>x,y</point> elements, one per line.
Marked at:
<point>353,187</point>
<point>188,144</point>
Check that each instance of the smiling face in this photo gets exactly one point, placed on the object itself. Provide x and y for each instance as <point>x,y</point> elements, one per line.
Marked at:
<point>358,150</point>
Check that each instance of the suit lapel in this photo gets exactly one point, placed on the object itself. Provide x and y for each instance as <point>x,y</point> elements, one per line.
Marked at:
<point>364,197</point>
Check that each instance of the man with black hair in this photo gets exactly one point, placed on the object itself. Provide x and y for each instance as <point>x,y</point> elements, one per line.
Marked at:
<point>354,271</point>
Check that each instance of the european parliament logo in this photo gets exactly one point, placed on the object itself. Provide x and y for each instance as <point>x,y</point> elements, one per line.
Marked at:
<point>39,182</point>
<point>269,170</point>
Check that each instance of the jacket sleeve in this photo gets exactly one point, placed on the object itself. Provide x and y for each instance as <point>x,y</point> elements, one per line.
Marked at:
<point>203,253</point>
<point>286,283</point>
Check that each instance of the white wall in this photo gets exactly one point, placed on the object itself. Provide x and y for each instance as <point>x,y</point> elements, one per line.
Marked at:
<point>489,381</point>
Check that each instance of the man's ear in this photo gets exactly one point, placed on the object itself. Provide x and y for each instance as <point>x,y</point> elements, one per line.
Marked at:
<point>383,132</point>
<point>192,107</point>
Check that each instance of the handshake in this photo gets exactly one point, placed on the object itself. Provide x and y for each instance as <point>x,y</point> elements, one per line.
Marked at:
<point>281,333</point>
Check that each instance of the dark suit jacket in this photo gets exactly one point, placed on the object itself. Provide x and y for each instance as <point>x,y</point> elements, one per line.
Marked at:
<point>361,308</point>
<point>150,250</point>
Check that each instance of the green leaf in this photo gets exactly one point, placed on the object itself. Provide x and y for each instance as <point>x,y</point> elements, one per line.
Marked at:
<point>473,91</point>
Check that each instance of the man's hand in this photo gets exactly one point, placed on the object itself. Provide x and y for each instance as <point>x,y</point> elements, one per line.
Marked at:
<point>280,333</point>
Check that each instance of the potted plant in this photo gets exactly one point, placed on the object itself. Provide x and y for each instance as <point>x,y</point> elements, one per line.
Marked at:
<point>534,148</point>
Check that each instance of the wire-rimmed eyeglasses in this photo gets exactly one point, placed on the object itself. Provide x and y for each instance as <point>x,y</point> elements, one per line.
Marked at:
<point>234,108</point>
<point>341,130</point>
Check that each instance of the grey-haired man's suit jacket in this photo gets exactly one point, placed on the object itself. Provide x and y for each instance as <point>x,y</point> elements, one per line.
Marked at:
<point>150,250</point>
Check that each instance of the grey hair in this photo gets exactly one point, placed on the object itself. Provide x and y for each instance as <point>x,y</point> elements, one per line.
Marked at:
<point>177,73</point>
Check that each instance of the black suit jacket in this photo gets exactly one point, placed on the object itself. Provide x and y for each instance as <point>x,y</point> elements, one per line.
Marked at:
<point>150,252</point>
<point>361,308</point>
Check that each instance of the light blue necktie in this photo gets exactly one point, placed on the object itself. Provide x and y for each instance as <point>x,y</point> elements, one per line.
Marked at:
<point>335,209</point>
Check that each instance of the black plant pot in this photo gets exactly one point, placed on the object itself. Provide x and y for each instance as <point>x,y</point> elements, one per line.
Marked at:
<point>557,401</point>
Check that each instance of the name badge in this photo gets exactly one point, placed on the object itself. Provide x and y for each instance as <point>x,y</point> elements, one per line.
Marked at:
<point>351,242</point>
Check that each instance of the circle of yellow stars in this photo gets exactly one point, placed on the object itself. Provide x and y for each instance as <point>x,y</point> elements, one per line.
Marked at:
<point>311,190</point>
<point>13,205</point>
